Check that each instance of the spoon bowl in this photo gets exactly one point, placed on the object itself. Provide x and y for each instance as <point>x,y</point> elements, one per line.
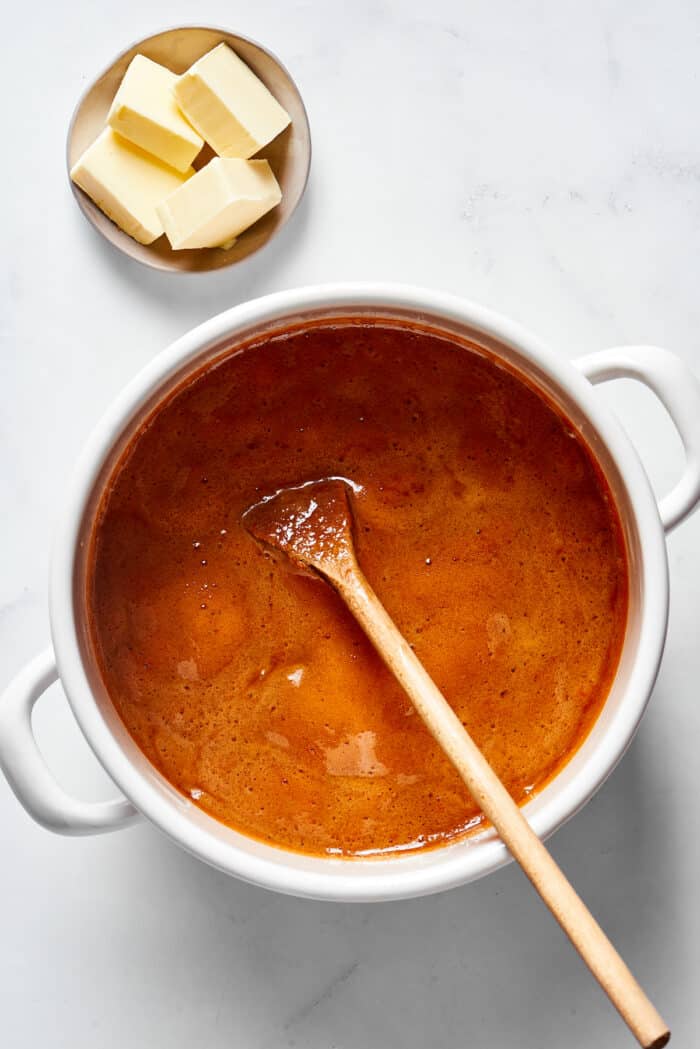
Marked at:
<point>311,525</point>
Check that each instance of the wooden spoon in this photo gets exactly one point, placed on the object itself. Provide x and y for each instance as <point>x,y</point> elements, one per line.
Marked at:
<point>312,526</point>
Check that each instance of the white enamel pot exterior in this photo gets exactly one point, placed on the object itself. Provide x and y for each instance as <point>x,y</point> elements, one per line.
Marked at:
<point>145,792</point>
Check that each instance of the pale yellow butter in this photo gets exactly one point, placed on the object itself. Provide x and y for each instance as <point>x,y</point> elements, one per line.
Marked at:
<point>228,105</point>
<point>127,184</point>
<point>223,199</point>
<point>144,110</point>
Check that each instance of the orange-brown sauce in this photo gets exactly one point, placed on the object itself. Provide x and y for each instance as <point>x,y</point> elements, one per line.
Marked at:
<point>482,523</point>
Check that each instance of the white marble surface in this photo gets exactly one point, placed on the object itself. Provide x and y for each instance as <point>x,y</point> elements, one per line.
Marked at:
<point>541,157</point>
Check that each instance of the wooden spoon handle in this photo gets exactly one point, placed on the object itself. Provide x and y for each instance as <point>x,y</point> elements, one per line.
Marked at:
<point>496,803</point>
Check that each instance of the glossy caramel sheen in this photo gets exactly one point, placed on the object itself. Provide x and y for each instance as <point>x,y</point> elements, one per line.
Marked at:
<point>482,523</point>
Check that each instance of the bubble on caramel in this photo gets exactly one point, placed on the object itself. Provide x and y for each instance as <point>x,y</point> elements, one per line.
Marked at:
<point>187,670</point>
<point>295,676</point>
<point>498,630</point>
<point>355,756</point>
<point>277,740</point>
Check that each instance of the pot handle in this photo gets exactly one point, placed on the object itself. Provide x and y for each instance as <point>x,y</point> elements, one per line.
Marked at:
<point>678,389</point>
<point>26,771</point>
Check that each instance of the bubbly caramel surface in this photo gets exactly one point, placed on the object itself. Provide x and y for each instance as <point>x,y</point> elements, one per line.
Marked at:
<point>480,520</point>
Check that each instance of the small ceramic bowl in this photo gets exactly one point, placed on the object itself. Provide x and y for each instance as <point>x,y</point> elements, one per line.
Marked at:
<point>289,155</point>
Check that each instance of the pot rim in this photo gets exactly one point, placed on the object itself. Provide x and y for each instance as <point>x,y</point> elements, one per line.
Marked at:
<point>355,879</point>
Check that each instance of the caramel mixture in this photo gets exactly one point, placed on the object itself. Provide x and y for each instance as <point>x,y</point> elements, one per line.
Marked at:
<point>481,521</point>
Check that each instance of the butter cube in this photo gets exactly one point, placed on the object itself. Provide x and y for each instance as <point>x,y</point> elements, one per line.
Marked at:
<point>127,184</point>
<point>144,111</point>
<point>222,200</point>
<point>224,100</point>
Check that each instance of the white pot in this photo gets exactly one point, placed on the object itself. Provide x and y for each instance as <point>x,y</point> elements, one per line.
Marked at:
<point>147,793</point>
